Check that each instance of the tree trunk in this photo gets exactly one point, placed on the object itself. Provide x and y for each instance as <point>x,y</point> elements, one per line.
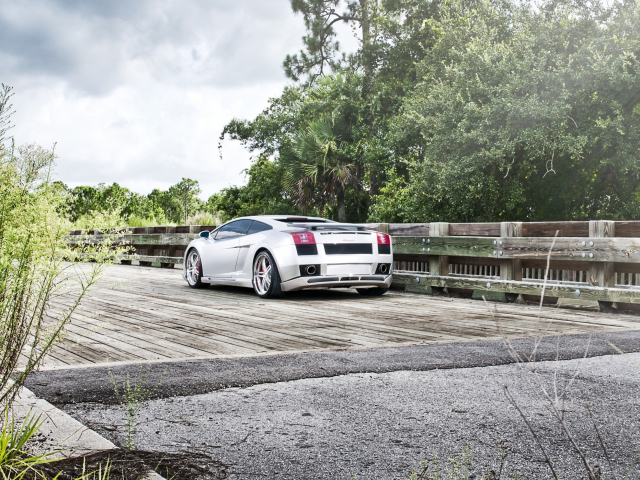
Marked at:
<point>365,25</point>
<point>367,61</point>
<point>342,214</point>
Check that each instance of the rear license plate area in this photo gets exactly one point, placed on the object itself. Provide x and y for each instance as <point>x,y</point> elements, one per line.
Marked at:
<point>349,269</point>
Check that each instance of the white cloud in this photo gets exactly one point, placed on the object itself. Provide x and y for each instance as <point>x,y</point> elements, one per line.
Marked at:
<point>137,92</point>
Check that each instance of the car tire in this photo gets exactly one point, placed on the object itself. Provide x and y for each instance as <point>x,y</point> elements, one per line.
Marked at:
<point>265,276</point>
<point>372,292</point>
<point>193,270</point>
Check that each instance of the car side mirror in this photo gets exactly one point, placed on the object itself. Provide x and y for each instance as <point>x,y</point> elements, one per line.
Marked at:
<point>204,234</point>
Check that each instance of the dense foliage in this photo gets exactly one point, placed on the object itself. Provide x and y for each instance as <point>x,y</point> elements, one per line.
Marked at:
<point>464,110</point>
<point>459,111</point>
<point>178,204</point>
<point>525,114</point>
<point>262,195</point>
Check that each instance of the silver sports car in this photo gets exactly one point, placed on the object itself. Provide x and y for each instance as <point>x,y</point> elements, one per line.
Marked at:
<point>275,254</point>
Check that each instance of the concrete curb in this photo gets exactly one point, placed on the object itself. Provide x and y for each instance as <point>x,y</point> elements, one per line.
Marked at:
<point>59,431</point>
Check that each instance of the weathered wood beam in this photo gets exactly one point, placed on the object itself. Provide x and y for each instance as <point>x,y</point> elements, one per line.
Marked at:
<point>150,259</point>
<point>439,264</point>
<point>475,229</point>
<point>402,229</point>
<point>510,269</point>
<point>602,274</point>
<point>623,250</point>
<point>421,282</point>
<point>136,239</point>
<point>549,229</point>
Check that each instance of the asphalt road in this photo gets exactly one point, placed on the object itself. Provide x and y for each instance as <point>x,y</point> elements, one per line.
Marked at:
<point>380,425</point>
<point>185,378</point>
<point>374,414</point>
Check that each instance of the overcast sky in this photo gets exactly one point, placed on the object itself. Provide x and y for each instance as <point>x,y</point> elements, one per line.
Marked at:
<point>137,91</point>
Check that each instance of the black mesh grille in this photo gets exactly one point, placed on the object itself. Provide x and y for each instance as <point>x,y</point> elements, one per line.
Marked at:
<point>347,248</point>
<point>307,249</point>
<point>384,249</point>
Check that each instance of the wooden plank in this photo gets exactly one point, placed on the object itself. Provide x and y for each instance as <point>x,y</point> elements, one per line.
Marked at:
<point>511,269</point>
<point>487,262</point>
<point>152,313</point>
<point>247,322</point>
<point>402,229</point>
<point>627,229</point>
<point>627,268</point>
<point>133,239</point>
<point>623,250</point>
<point>458,246</point>
<point>439,264</point>
<point>548,229</point>
<point>152,258</point>
<point>530,288</point>
<point>555,264</point>
<point>602,274</point>
<point>475,229</point>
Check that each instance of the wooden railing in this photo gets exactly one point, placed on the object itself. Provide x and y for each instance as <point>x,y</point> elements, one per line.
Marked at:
<point>597,261</point>
<point>592,261</point>
<point>150,246</point>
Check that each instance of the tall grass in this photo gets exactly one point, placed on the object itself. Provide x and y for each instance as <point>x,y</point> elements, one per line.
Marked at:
<point>115,219</point>
<point>36,265</point>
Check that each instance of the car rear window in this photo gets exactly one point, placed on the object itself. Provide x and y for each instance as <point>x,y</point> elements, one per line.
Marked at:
<point>302,220</point>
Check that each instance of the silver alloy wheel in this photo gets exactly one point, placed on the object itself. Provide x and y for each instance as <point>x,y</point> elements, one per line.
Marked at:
<point>193,267</point>
<point>262,274</point>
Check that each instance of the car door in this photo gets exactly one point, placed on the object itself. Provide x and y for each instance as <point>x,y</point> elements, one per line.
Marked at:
<point>246,242</point>
<point>221,252</point>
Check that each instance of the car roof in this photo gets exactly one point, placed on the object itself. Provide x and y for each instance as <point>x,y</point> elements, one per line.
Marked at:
<point>276,220</point>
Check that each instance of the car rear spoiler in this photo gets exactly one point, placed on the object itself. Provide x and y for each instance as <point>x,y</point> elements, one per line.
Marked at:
<point>335,226</point>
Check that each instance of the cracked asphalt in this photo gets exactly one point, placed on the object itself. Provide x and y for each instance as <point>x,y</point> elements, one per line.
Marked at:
<point>333,415</point>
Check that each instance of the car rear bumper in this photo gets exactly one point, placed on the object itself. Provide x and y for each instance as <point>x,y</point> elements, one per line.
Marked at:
<point>326,281</point>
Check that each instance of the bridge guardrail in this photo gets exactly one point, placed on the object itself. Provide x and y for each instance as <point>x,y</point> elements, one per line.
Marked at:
<point>596,260</point>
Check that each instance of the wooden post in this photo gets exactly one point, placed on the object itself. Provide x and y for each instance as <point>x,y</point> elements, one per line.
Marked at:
<point>510,269</point>
<point>602,274</point>
<point>439,264</point>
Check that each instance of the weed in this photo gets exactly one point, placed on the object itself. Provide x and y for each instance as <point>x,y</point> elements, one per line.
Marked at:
<point>554,398</point>
<point>204,218</point>
<point>458,467</point>
<point>131,396</point>
<point>15,462</point>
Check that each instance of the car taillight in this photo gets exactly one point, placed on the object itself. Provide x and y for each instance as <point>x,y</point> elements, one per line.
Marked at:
<point>383,238</point>
<point>303,238</point>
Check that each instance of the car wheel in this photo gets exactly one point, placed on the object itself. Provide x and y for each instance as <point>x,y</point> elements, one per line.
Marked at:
<point>194,270</point>
<point>266,278</point>
<point>372,292</point>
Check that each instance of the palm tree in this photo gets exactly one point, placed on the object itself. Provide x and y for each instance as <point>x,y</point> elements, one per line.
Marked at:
<point>320,168</point>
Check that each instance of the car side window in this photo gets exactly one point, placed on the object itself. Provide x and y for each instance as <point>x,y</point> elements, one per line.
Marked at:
<point>258,227</point>
<point>233,229</point>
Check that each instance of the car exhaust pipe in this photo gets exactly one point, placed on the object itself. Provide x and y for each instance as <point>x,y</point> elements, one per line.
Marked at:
<point>311,270</point>
<point>383,268</point>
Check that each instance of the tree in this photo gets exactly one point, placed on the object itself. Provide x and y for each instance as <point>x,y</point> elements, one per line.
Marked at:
<point>525,115</point>
<point>320,46</point>
<point>262,195</point>
<point>5,111</point>
<point>322,166</point>
<point>186,192</point>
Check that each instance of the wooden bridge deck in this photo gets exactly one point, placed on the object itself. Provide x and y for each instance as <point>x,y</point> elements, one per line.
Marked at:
<point>149,314</point>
